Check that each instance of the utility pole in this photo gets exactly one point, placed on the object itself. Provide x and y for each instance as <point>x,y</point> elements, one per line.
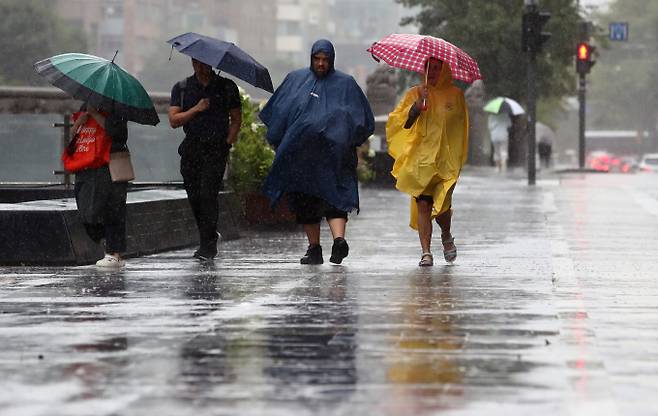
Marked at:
<point>582,97</point>
<point>532,40</point>
<point>532,117</point>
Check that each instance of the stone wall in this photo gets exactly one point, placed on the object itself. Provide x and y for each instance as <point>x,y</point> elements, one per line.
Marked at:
<point>34,100</point>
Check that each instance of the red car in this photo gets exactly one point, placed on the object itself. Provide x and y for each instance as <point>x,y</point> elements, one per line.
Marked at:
<point>600,161</point>
<point>607,162</point>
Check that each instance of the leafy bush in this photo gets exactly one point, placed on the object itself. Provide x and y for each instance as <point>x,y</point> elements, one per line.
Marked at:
<point>251,156</point>
<point>364,171</point>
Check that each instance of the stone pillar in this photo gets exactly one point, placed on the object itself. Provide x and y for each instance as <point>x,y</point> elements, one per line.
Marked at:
<point>479,147</point>
<point>381,91</point>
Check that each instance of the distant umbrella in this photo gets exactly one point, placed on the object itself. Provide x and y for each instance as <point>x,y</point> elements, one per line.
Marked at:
<point>224,56</point>
<point>101,83</point>
<point>544,134</point>
<point>502,104</point>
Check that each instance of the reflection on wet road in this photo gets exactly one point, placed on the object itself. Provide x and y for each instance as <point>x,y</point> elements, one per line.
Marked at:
<point>503,331</point>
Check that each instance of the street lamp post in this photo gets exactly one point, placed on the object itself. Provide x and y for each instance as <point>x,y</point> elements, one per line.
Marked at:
<point>532,40</point>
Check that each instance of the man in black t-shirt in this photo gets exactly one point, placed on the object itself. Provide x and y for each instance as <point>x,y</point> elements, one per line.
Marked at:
<point>209,109</point>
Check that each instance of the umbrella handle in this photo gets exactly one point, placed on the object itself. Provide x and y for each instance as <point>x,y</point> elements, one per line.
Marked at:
<point>424,107</point>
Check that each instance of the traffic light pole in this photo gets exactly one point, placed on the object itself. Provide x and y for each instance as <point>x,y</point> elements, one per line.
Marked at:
<point>582,94</point>
<point>531,42</point>
<point>532,112</point>
<point>584,62</point>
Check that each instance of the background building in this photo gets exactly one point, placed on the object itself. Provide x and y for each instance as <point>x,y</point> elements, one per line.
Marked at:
<point>278,33</point>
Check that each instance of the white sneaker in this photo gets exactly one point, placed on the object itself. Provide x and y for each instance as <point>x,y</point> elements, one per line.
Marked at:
<point>110,262</point>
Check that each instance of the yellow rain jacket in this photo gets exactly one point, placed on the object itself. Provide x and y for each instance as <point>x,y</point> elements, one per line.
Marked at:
<point>430,155</point>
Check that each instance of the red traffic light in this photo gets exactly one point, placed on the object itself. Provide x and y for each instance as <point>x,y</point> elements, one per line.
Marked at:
<point>584,52</point>
<point>585,57</point>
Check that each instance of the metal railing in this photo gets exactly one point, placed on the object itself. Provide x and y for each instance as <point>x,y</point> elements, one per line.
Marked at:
<point>42,100</point>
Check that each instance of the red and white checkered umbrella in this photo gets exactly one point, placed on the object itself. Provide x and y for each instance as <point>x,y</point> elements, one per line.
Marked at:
<point>410,52</point>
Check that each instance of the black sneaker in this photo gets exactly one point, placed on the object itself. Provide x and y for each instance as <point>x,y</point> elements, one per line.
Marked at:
<point>204,255</point>
<point>207,250</point>
<point>339,250</point>
<point>313,255</point>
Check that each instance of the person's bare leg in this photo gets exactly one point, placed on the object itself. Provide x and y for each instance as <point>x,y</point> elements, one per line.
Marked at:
<point>312,233</point>
<point>425,224</point>
<point>445,221</point>
<point>337,227</point>
<point>340,248</point>
<point>314,252</point>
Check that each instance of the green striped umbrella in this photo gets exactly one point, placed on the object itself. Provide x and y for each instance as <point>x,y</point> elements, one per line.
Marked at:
<point>101,83</point>
<point>499,104</point>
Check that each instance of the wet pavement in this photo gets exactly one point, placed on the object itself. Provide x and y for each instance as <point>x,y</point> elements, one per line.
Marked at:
<point>551,308</point>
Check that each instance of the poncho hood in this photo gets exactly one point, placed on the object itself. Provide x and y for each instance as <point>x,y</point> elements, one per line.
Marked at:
<point>323,45</point>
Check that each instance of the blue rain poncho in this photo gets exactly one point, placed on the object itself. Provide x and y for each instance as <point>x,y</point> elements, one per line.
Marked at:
<point>315,125</point>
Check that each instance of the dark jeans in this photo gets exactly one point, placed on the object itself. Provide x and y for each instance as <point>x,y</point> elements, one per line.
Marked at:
<point>102,207</point>
<point>203,169</point>
<point>310,209</point>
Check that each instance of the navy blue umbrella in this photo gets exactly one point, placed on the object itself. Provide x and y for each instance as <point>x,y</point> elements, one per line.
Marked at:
<point>224,56</point>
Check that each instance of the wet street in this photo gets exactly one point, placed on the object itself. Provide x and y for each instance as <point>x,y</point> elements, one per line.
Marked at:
<point>550,308</point>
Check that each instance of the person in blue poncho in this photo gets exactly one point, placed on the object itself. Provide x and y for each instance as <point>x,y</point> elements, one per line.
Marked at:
<point>316,119</point>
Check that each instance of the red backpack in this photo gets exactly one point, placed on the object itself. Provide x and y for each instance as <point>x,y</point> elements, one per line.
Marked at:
<point>90,148</point>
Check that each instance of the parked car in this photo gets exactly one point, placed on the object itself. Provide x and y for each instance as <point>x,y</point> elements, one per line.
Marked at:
<point>628,164</point>
<point>599,160</point>
<point>649,163</point>
<point>607,162</point>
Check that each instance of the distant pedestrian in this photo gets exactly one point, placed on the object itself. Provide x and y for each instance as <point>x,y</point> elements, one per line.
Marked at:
<point>101,202</point>
<point>316,119</point>
<point>208,108</point>
<point>427,136</point>
<point>499,130</point>
<point>545,138</point>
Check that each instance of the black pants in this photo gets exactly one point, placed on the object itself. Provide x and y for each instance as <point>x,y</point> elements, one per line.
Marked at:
<point>102,207</point>
<point>203,169</point>
<point>544,150</point>
<point>310,209</point>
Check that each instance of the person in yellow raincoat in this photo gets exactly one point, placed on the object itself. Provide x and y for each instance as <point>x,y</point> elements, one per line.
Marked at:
<point>427,135</point>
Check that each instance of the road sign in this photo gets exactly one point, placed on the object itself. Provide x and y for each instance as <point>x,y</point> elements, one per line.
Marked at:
<point>619,31</point>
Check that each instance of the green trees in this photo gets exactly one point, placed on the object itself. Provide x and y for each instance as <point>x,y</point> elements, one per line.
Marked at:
<point>490,31</point>
<point>622,87</point>
<point>29,31</point>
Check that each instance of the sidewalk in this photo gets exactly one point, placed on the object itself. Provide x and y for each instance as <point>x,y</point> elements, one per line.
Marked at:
<point>551,308</point>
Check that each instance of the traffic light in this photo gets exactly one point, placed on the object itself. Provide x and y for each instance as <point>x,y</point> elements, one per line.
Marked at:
<point>584,57</point>
<point>533,38</point>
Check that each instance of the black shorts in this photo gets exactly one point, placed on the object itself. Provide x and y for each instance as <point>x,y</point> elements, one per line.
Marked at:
<point>310,209</point>
<point>426,198</point>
